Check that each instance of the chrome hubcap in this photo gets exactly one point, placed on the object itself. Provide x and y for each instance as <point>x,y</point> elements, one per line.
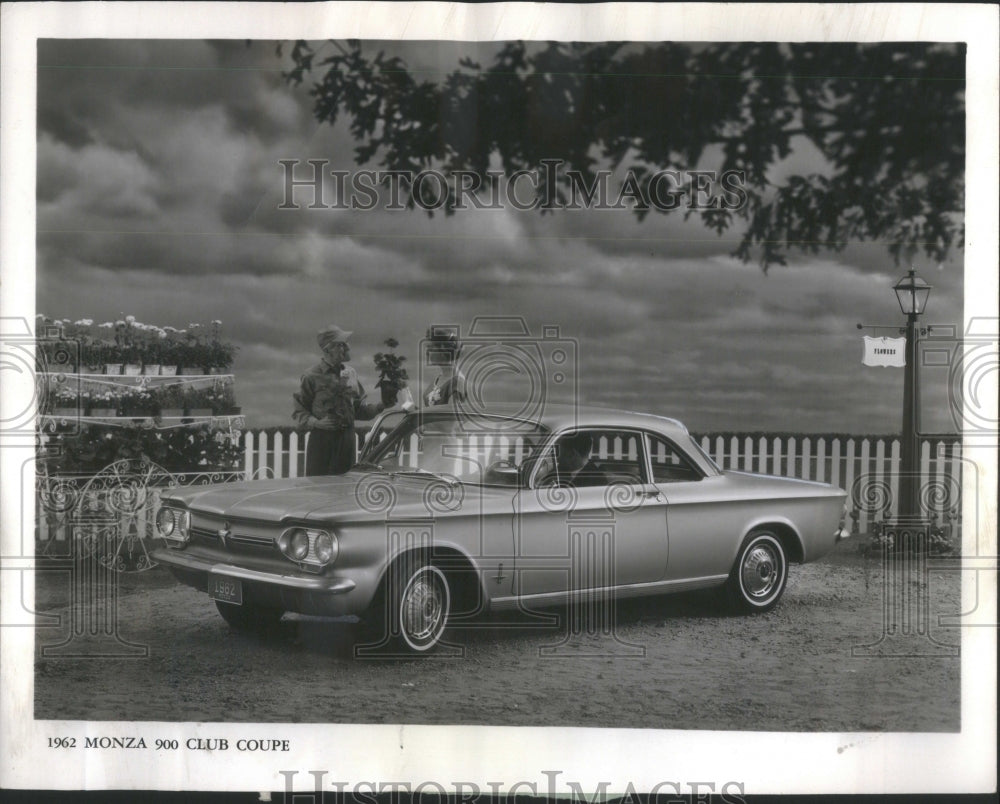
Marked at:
<point>760,573</point>
<point>423,608</point>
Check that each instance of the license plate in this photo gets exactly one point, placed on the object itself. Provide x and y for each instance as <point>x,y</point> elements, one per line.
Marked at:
<point>222,587</point>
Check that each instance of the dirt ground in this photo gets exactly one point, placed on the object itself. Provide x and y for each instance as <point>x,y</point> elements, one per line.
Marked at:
<point>679,662</point>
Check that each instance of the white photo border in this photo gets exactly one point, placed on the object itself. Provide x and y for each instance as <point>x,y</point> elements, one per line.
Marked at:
<point>763,762</point>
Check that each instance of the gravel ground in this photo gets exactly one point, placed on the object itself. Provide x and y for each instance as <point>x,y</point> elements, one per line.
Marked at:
<point>679,662</point>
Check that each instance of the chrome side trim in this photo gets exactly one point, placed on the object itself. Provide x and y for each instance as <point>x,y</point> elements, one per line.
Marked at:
<point>636,589</point>
<point>330,586</point>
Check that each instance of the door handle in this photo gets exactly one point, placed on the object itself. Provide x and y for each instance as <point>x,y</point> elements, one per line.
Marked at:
<point>653,493</point>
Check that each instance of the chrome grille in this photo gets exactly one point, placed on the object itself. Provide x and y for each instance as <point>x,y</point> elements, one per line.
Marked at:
<point>236,541</point>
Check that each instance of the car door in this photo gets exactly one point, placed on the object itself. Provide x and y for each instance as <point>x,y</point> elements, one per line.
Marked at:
<point>610,534</point>
<point>700,527</point>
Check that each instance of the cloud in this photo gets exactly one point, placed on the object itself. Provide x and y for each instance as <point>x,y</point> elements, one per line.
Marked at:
<point>103,181</point>
<point>158,191</point>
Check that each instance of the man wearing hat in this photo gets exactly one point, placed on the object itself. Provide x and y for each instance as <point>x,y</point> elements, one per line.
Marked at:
<point>330,399</point>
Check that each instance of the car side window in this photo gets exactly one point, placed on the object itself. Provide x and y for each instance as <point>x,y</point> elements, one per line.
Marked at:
<point>619,455</point>
<point>668,463</point>
<point>596,457</point>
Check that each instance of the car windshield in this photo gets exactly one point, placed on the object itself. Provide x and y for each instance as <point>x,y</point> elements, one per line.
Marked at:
<point>490,450</point>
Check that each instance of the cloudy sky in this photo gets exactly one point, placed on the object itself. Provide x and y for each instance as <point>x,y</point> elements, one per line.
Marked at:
<point>158,191</point>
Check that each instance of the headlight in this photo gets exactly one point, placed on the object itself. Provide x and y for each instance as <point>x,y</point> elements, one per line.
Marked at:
<point>315,548</point>
<point>173,525</point>
<point>325,546</point>
<point>298,545</point>
<point>166,522</point>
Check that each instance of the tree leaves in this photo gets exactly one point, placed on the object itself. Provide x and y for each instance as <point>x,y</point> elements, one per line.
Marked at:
<point>886,121</point>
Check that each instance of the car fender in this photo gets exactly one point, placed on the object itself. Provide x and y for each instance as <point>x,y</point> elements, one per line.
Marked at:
<point>446,554</point>
<point>772,521</point>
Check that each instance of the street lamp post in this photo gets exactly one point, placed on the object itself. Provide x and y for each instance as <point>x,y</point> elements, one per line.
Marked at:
<point>912,293</point>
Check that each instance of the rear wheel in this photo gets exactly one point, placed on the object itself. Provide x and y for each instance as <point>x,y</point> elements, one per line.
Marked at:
<point>249,616</point>
<point>758,577</point>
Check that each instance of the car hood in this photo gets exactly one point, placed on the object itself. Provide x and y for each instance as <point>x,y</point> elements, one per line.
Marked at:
<point>356,495</point>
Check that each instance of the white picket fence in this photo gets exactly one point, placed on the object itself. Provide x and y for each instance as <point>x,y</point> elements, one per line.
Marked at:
<point>867,468</point>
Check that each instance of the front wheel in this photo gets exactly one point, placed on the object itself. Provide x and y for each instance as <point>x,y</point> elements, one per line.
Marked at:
<point>420,606</point>
<point>249,617</point>
<point>758,577</point>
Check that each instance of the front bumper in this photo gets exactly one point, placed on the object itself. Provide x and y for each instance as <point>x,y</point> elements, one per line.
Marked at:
<point>322,595</point>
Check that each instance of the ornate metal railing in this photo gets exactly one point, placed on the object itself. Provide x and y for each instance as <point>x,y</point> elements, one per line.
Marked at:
<point>111,514</point>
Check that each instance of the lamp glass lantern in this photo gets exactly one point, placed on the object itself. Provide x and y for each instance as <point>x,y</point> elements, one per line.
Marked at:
<point>912,293</point>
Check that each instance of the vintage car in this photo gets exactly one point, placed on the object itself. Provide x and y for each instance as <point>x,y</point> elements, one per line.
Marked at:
<point>450,514</point>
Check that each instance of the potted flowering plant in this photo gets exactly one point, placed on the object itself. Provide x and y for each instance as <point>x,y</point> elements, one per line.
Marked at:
<point>219,353</point>
<point>197,402</point>
<point>392,376</point>
<point>172,399</point>
<point>170,344</point>
<point>126,340</point>
<point>93,355</point>
<point>191,351</point>
<point>222,399</point>
<point>149,339</point>
<point>139,402</point>
<point>64,402</point>
<point>102,403</point>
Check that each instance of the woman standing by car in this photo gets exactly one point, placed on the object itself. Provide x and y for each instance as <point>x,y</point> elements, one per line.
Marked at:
<point>442,350</point>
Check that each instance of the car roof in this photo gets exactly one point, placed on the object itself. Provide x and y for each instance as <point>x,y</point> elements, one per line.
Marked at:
<point>562,416</point>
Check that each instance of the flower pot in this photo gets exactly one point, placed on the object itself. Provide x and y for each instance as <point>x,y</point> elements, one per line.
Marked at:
<point>191,371</point>
<point>389,395</point>
<point>172,413</point>
<point>103,413</point>
<point>151,370</point>
<point>112,368</point>
<point>168,371</point>
<point>230,410</point>
<point>133,369</point>
<point>65,412</point>
<point>198,412</point>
